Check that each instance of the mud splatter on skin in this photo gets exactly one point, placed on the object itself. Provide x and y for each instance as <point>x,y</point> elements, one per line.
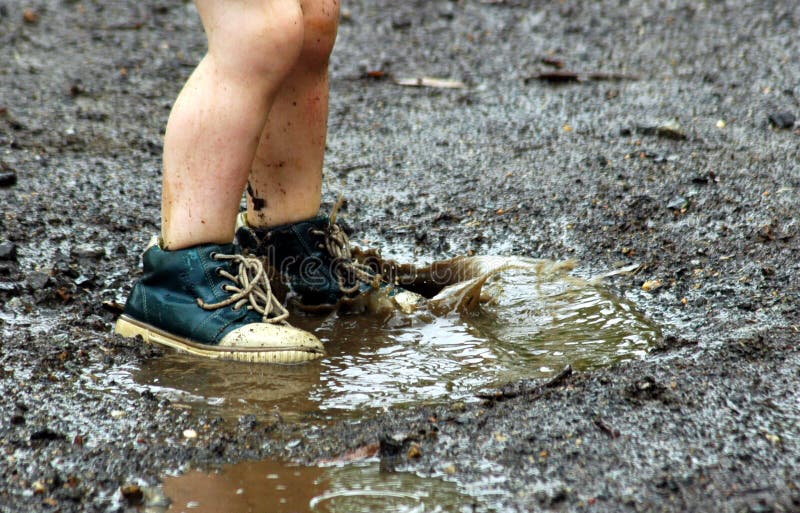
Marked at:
<point>258,202</point>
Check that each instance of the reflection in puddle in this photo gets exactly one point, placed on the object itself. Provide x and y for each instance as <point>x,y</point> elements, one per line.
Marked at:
<point>535,325</point>
<point>271,487</point>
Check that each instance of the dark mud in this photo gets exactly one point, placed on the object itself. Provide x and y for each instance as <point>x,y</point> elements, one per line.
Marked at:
<point>590,168</point>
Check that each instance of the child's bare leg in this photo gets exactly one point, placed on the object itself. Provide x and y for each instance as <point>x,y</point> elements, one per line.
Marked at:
<point>286,176</point>
<point>214,127</point>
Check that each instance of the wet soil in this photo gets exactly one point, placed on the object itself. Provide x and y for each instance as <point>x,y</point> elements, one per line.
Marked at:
<point>590,166</point>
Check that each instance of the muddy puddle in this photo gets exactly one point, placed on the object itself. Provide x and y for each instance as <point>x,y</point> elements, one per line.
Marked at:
<point>271,487</point>
<point>493,321</point>
<point>530,324</point>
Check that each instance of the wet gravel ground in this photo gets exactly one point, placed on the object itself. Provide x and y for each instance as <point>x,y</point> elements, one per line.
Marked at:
<point>513,163</point>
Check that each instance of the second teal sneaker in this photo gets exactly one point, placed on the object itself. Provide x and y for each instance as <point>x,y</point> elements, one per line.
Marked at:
<point>313,258</point>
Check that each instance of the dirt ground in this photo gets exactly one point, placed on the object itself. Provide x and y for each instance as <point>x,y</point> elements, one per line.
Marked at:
<point>519,161</point>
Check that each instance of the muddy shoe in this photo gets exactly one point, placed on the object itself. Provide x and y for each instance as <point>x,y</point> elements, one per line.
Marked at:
<point>314,259</point>
<point>212,301</point>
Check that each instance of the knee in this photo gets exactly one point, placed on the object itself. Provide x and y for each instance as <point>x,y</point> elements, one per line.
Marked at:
<point>266,41</point>
<point>320,23</point>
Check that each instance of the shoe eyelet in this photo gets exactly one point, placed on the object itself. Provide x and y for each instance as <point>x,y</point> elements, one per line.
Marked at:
<point>213,255</point>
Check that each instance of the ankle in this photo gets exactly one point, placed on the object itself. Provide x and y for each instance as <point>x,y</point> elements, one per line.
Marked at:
<point>262,220</point>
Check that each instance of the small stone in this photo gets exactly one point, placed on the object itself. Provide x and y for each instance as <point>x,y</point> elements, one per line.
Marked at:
<point>84,281</point>
<point>782,120</point>
<point>669,130</point>
<point>30,16</point>
<point>88,251</point>
<point>8,288</point>
<point>132,493</point>
<point>449,469</point>
<point>401,23</point>
<point>721,124</point>
<point>651,285</point>
<point>38,280</point>
<point>678,203</point>
<point>46,435</point>
<point>8,251</point>
<point>117,414</point>
<point>39,487</point>
<point>413,452</point>
<point>189,434</point>
<point>8,177</point>
<point>446,11</point>
<point>458,406</point>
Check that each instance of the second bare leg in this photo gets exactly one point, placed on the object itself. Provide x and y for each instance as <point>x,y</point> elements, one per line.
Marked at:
<point>285,181</point>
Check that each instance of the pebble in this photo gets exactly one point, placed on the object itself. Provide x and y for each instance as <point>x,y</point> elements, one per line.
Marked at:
<point>669,130</point>
<point>39,488</point>
<point>677,203</point>
<point>117,414</point>
<point>189,433</point>
<point>651,285</point>
<point>83,280</point>
<point>30,16</point>
<point>413,452</point>
<point>46,435</point>
<point>8,251</point>
<point>7,177</point>
<point>38,280</point>
<point>783,120</point>
<point>88,251</point>
<point>132,493</point>
<point>458,406</point>
<point>8,288</point>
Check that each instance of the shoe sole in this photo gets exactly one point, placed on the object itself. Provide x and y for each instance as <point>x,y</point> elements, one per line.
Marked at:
<point>130,328</point>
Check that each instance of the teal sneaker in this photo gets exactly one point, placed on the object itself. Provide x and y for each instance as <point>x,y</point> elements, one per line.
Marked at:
<point>314,260</point>
<point>213,301</point>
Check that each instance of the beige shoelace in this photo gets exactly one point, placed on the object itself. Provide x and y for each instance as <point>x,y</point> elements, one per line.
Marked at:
<point>251,289</point>
<point>337,244</point>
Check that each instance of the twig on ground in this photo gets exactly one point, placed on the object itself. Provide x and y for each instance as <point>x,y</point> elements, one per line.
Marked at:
<point>605,428</point>
<point>564,76</point>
